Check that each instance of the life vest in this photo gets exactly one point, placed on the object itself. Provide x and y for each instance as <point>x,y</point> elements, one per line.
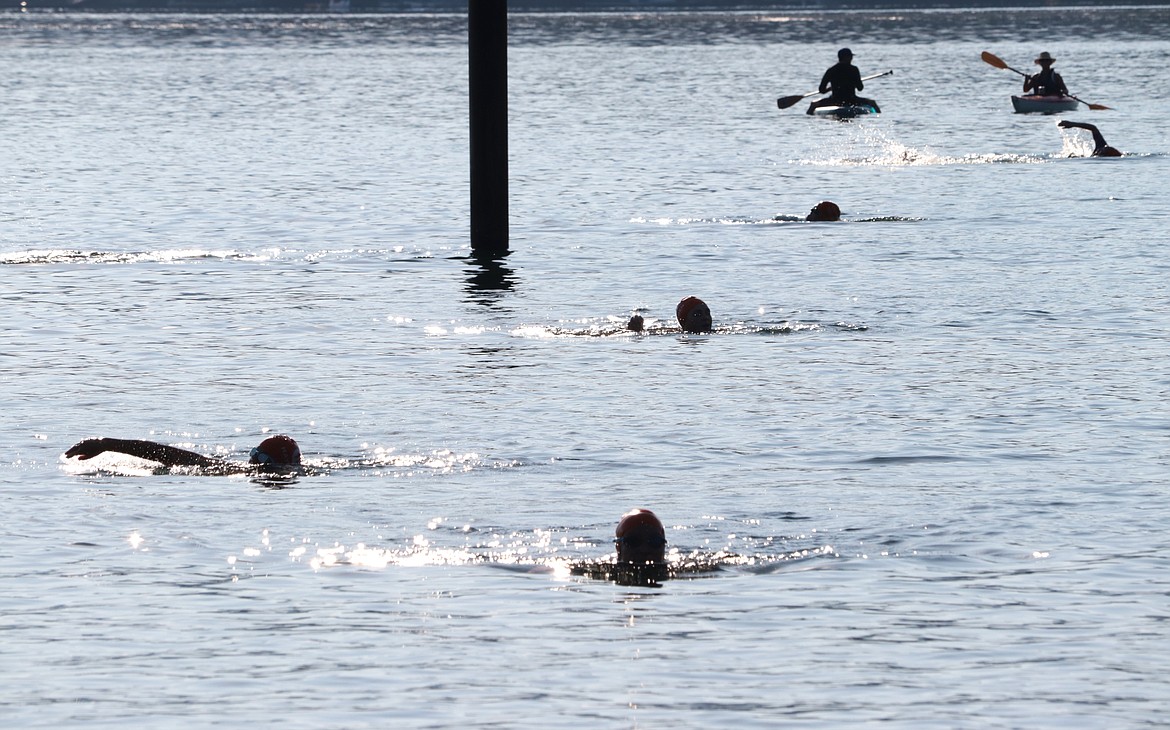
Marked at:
<point>1047,82</point>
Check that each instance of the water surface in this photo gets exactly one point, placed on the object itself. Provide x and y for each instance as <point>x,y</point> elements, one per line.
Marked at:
<point>934,435</point>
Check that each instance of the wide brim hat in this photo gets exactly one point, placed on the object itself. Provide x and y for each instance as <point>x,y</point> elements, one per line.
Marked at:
<point>1044,56</point>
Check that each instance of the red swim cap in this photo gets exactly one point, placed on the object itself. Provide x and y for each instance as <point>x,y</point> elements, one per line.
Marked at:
<point>640,538</point>
<point>693,315</point>
<point>826,210</point>
<point>276,450</point>
<point>639,518</point>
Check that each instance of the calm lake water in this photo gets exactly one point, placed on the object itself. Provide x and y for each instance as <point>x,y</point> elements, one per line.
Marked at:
<point>935,437</point>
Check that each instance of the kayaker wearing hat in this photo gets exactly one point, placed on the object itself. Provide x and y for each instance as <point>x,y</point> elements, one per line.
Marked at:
<point>1047,82</point>
<point>1101,147</point>
<point>844,80</point>
<point>275,453</point>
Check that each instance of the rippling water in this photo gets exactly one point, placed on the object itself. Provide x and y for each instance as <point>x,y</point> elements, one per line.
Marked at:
<point>928,446</point>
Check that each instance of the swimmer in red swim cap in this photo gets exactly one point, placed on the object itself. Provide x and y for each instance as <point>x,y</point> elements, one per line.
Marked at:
<point>693,315</point>
<point>640,539</point>
<point>276,450</point>
<point>826,210</point>
<point>273,453</point>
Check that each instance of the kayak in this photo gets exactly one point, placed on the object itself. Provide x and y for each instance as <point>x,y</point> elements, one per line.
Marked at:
<point>845,111</point>
<point>1035,103</point>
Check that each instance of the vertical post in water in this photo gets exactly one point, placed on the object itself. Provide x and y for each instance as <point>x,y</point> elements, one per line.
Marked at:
<point>487,44</point>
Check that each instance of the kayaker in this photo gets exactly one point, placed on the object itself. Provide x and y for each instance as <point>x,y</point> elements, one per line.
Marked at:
<point>844,81</point>
<point>1101,148</point>
<point>275,453</point>
<point>1047,82</point>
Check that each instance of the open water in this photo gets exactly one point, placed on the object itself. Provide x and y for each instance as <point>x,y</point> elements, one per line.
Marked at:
<point>930,445</point>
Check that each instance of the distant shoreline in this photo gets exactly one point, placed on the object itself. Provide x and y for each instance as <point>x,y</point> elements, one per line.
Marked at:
<point>529,6</point>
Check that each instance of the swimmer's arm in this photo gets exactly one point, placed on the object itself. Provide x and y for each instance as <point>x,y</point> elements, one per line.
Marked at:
<point>163,454</point>
<point>1098,138</point>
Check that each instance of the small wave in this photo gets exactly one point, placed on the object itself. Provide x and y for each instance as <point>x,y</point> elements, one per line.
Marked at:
<point>79,256</point>
<point>780,219</point>
<point>907,157</point>
<point>611,327</point>
<point>717,220</point>
<point>872,147</point>
<point>891,219</point>
<point>381,462</point>
<point>910,459</point>
<point>519,558</point>
<point>655,327</point>
<point>111,463</point>
<point>74,256</point>
<point>387,462</point>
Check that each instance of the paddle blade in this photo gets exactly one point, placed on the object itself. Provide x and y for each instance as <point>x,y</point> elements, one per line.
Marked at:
<point>1099,107</point>
<point>786,101</point>
<point>993,59</point>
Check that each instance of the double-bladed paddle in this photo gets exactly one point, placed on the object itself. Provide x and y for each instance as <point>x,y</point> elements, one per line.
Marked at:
<point>998,62</point>
<point>786,101</point>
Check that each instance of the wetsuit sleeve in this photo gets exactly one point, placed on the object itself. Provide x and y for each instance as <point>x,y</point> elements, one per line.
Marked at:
<point>1098,139</point>
<point>825,81</point>
<point>163,454</point>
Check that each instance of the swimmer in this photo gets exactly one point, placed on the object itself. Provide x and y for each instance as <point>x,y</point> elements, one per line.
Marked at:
<point>275,453</point>
<point>1101,147</point>
<point>824,211</point>
<point>693,315</point>
<point>640,560</point>
<point>636,324</point>
<point>640,539</point>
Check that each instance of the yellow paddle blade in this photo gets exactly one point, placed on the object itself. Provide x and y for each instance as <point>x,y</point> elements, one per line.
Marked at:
<point>993,59</point>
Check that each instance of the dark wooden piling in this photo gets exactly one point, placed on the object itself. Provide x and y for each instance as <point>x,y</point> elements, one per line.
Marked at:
<point>487,43</point>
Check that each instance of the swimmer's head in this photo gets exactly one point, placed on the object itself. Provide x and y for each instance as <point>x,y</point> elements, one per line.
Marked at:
<point>640,538</point>
<point>276,451</point>
<point>693,315</point>
<point>826,210</point>
<point>636,323</point>
<point>844,54</point>
<point>1108,151</point>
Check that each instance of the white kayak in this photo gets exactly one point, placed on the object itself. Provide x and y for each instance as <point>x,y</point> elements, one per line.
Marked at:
<point>1038,104</point>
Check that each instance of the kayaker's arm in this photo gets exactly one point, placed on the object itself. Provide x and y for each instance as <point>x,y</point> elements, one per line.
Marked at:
<point>824,87</point>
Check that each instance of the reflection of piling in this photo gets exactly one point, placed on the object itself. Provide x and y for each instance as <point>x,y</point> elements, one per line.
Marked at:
<point>487,43</point>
